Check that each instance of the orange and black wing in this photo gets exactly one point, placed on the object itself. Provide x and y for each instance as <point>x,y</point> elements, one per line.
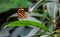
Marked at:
<point>21,13</point>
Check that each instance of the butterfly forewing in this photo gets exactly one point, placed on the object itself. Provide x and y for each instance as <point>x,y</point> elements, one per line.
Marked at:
<point>21,13</point>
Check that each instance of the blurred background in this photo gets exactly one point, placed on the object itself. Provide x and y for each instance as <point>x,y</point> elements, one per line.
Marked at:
<point>45,11</point>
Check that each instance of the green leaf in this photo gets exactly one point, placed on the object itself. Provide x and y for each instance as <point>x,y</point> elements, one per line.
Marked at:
<point>13,4</point>
<point>23,3</point>
<point>39,15</point>
<point>4,1</point>
<point>28,23</point>
<point>4,7</point>
<point>52,9</point>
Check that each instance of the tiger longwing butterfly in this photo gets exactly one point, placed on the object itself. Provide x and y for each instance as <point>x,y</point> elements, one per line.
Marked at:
<point>21,13</point>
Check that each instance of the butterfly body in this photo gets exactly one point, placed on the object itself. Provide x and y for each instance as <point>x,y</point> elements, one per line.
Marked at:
<point>21,13</point>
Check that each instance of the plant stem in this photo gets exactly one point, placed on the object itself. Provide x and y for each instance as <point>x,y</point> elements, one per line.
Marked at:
<point>35,5</point>
<point>54,16</point>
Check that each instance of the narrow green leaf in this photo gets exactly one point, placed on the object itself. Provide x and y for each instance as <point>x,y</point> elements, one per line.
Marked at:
<point>28,23</point>
<point>39,15</point>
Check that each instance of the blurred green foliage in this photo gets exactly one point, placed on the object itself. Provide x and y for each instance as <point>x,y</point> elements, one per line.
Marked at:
<point>8,4</point>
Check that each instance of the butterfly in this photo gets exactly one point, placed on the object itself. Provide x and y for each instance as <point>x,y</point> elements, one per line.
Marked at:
<point>21,13</point>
